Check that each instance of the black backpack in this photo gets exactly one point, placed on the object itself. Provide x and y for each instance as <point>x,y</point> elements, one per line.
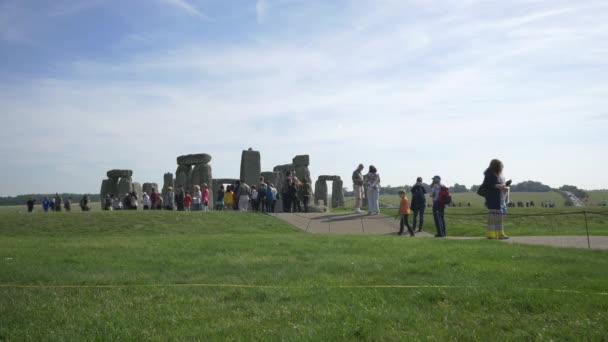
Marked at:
<point>418,195</point>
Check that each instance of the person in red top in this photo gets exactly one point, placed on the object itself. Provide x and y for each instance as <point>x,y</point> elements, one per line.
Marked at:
<point>187,201</point>
<point>404,211</point>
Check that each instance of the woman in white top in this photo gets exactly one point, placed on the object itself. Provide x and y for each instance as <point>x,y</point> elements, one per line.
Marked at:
<point>372,180</point>
<point>196,198</point>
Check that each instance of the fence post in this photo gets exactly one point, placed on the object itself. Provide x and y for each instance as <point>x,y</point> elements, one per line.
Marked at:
<point>587,229</point>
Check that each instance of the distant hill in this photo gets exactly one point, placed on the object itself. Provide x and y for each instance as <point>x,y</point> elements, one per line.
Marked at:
<point>21,199</point>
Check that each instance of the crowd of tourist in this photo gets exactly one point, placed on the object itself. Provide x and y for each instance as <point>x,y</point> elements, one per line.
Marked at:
<point>295,196</point>
<point>56,203</point>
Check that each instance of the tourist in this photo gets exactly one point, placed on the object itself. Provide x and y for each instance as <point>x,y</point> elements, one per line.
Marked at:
<point>235,191</point>
<point>146,201</point>
<point>179,198</point>
<point>57,202</point>
<point>155,199</point>
<point>219,198</point>
<point>159,202</point>
<point>358,188</point>
<point>275,194</point>
<point>84,203</point>
<point>116,203</point>
<point>30,204</point>
<point>418,204</point>
<point>229,198</point>
<point>494,189</point>
<point>134,201</point>
<point>262,190</point>
<point>243,195</point>
<point>372,179</point>
<point>438,208</point>
<point>197,198</point>
<point>404,212</point>
<point>67,204</point>
<point>206,196</point>
<point>254,198</point>
<point>46,204</point>
<point>52,203</point>
<point>169,200</point>
<point>293,196</point>
<point>270,198</point>
<point>306,193</point>
<point>299,193</point>
<point>126,202</point>
<point>187,201</point>
<point>286,198</point>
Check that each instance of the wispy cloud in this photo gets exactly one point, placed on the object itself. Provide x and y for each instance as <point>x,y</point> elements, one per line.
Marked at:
<point>184,5</point>
<point>414,89</point>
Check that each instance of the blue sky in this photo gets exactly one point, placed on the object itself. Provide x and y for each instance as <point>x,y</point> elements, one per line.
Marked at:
<point>416,88</point>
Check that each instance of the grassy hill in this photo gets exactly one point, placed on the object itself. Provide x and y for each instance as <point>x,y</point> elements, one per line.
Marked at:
<point>217,276</point>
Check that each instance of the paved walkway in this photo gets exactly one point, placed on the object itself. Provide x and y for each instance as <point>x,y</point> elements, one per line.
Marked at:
<point>343,223</point>
<point>351,223</point>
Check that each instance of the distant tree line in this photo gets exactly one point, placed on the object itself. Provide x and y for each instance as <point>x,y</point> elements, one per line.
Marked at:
<point>527,186</point>
<point>21,199</point>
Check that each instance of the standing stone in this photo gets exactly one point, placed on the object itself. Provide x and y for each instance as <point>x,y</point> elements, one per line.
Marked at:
<point>119,173</point>
<point>182,176</point>
<point>337,194</point>
<point>321,192</point>
<point>199,175</point>
<point>168,181</point>
<point>147,187</point>
<point>124,186</point>
<point>250,166</point>
<point>112,188</point>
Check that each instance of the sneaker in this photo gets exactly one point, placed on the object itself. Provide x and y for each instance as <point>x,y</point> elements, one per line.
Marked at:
<point>369,213</point>
<point>358,211</point>
<point>376,213</point>
<point>419,230</point>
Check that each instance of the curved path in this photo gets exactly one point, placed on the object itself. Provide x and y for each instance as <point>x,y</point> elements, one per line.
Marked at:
<point>351,223</point>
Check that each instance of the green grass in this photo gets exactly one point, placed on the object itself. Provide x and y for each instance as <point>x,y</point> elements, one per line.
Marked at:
<point>472,221</point>
<point>598,197</point>
<point>502,291</point>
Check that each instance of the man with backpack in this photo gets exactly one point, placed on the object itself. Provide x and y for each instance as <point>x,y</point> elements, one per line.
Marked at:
<point>418,203</point>
<point>441,197</point>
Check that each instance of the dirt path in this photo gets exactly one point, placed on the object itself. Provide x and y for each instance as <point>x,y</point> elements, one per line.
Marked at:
<point>351,223</point>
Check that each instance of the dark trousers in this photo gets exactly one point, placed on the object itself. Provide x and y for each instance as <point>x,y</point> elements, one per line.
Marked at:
<point>405,222</point>
<point>418,213</point>
<point>286,203</point>
<point>439,217</point>
<point>295,203</point>
<point>306,199</point>
<point>263,206</point>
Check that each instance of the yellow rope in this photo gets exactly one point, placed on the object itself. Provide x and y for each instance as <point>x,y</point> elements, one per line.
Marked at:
<point>114,286</point>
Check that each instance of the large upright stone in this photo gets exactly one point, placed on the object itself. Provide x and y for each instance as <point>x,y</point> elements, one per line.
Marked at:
<point>182,176</point>
<point>321,192</point>
<point>112,186</point>
<point>147,187</point>
<point>168,181</point>
<point>199,175</point>
<point>125,186</point>
<point>250,166</point>
<point>337,194</point>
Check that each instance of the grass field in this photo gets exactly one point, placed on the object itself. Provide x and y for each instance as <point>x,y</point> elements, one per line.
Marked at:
<point>319,287</point>
<point>598,197</point>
